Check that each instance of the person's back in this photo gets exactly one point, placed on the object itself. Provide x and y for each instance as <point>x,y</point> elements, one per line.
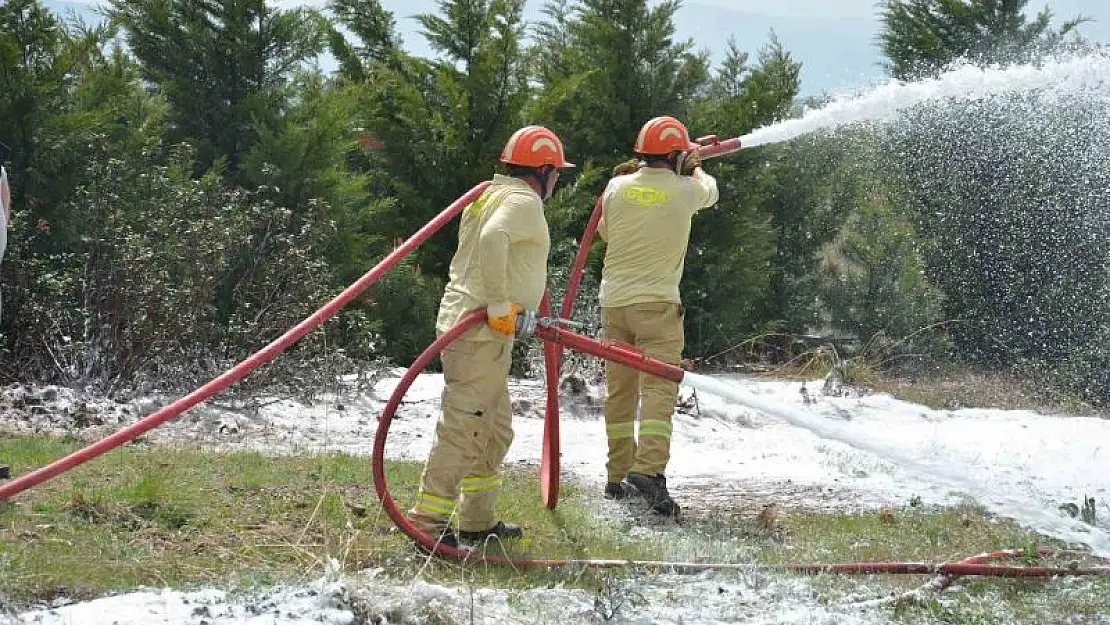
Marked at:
<point>647,218</point>
<point>511,209</point>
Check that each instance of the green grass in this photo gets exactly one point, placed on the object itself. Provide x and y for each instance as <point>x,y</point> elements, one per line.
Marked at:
<point>932,536</point>
<point>949,534</point>
<point>189,517</point>
<point>183,517</point>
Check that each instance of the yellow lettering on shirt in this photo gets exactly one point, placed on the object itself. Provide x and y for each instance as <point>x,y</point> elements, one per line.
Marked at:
<point>646,196</point>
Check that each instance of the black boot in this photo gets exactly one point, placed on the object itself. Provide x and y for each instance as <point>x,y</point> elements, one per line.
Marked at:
<point>445,537</point>
<point>500,530</point>
<point>654,490</point>
<point>619,491</point>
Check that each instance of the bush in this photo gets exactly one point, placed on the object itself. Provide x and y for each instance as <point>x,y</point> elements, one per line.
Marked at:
<point>874,275</point>
<point>404,309</point>
<point>138,300</point>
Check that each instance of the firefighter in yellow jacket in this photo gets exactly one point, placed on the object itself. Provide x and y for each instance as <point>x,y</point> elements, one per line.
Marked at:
<point>500,265</point>
<point>646,217</point>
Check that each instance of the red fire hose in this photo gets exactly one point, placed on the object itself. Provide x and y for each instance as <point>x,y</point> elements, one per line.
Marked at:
<point>553,354</point>
<point>630,357</point>
<point>552,335</point>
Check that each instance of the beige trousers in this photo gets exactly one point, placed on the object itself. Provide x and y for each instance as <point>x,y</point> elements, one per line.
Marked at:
<point>472,438</point>
<point>656,328</point>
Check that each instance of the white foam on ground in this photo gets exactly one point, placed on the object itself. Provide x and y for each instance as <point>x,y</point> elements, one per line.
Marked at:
<point>868,451</point>
<point>875,450</point>
<point>871,450</point>
<point>706,599</point>
<point>1019,464</point>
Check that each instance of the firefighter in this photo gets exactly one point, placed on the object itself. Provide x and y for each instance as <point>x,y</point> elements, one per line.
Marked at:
<point>500,265</point>
<point>646,216</point>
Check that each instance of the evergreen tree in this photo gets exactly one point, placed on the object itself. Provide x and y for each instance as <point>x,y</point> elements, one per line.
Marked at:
<point>439,124</point>
<point>607,66</point>
<point>375,30</point>
<point>303,165</point>
<point>873,273</point>
<point>729,265</point>
<point>223,65</point>
<point>433,128</point>
<point>51,131</point>
<point>920,37</point>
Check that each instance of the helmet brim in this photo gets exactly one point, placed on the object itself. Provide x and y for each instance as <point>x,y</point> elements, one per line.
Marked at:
<point>690,146</point>
<point>562,165</point>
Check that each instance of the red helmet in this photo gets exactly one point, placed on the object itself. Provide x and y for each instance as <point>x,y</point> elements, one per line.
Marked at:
<point>661,136</point>
<point>534,146</point>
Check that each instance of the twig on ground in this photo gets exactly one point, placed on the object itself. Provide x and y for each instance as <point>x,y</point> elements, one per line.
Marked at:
<point>319,504</point>
<point>917,596</point>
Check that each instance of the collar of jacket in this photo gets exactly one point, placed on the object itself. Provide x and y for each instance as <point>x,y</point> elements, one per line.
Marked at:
<point>515,183</point>
<point>655,171</point>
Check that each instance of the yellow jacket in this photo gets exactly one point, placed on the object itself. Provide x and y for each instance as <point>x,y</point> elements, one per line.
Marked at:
<point>501,258</point>
<point>646,222</point>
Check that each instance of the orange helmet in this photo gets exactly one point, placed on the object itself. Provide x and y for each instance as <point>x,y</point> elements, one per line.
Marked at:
<point>534,146</point>
<point>661,136</point>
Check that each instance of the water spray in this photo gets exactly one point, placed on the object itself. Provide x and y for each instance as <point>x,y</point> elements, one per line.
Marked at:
<point>962,83</point>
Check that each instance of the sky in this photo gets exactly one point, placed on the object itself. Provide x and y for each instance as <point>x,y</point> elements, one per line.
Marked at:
<point>834,39</point>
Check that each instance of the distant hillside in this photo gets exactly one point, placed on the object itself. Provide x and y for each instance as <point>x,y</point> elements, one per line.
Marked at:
<point>835,53</point>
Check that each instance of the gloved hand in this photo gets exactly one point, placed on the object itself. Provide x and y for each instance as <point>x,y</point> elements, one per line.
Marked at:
<point>502,318</point>
<point>688,161</point>
<point>630,166</point>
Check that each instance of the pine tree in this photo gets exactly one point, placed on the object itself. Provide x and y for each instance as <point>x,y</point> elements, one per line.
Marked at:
<point>607,66</point>
<point>920,37</point>
<point>432,129</point>
<point>51,133</point>
<point>223,65</point>
<point>439,124</point>
<point>375,30</point>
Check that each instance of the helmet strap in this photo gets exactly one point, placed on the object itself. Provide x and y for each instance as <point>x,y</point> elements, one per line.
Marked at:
<point>548,177</point>
<point>675,159</point>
